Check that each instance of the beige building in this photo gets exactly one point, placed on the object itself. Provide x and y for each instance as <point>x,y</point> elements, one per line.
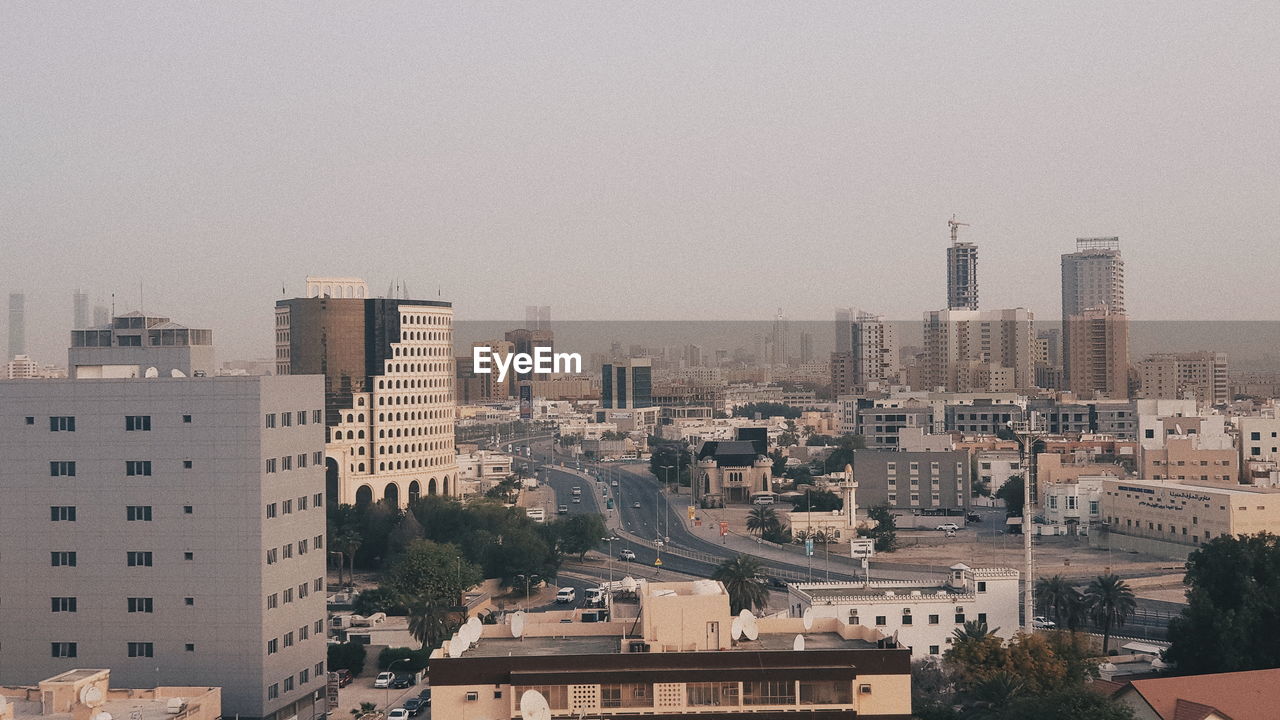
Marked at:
<point>1097,354</point>
<point>86,694</point>
<point>978,350</point>
<point>1202,375</point>
<point>1187,513</point>
<point>674,655</point>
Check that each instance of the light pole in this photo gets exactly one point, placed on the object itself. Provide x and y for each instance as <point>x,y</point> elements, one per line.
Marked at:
<point>386,704</point>
<point>1028,434</point>
<point>608,595</point>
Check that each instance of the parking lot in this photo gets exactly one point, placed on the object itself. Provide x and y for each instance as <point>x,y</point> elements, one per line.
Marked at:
<point>361,690</point>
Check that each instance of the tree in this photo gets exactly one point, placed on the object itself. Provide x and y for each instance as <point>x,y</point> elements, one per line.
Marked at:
<point>432,573</point>
<point>347,656</point>
<point>431,623</point>
<point>377,600</point>
<point>766,410</point>
<point>1074,703</point>
<point>761,518</point>
<point>578,534</point>
<point>932,691</point>
<point>673,455</point>
<point>1012,492</point>
<point>523,552</point>
<point>885,531</point>
<point>365,708</point>
<point>846,446</point>
<point>1110,603</point>
<point>1233,607</point>
<point>348,541</point>
<point>1062,602</point>
<point>790,435</point>
<point>741,578</point>
<point>406,659</point>
<point>975,654</point>
<point>405,532</point>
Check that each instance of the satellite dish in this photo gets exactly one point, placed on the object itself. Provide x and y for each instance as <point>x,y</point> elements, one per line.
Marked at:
<point>798,643</point>
<point>176,373</point>
<point>533,706</point>
<point>102,716</point>
<point>735,629</point>
<point>749,626</point>
<point>628,584</point>
<point>517,624</point>
<point>808,618</point>
<point>151,373</point>
<point>457,647</point>
<point>91,695</point>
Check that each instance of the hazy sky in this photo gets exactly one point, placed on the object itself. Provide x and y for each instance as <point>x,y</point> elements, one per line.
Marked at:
<point>633,160</point>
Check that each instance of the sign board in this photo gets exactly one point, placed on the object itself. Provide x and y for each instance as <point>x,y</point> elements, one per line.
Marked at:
<point>862,547</point>
<point>724,528</point>
<point>332,689</point>
<point>692,512</point>
<point>526,401</point>
<point>658,562</point>
<point>808,546</point>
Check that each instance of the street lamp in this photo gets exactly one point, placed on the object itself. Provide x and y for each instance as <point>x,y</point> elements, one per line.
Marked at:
<point>386,704</point>
<point>608,595</point>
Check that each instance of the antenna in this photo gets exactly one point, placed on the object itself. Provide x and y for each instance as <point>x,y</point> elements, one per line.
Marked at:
<point>798,643</point>
<point>533,706</point>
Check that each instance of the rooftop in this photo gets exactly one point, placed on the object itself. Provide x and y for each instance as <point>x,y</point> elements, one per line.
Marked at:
<point>612,644</point>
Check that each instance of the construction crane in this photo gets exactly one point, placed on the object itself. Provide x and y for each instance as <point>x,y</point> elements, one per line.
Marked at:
<point>955,228</point>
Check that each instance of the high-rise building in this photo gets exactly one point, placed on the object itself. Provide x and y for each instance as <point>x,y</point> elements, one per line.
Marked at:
<point>17,324</point>
<point>1092,279</point>
<point>537,317</point>
<point>1171,376</point>
<point>389,375</point>
<point>874,344</point>
<point>627,384</point>
<point>844,318</point>
<point>169,528</point>
<point>490,388</point>
<point>1097,357</point>
<point>79,310</point>
<point>962,272</point>
<point>978,350</point>
<point>132,344</point>
<point>842,374</point>
<point>779,338</point>
<point>806,348</point>
<point>526,341</point>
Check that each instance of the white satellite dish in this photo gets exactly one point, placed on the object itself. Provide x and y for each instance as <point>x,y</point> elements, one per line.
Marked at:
<point>808,618</point>
<point>104,715</point>
<point>735,629</point>
<point>517,624</point>
<point>749,626</point>
<point>798,643</point>
<point>533,706</point>
<point>151,373</point>
<point>176,373</point>
<point>475,623</point>
<point>91,695</point>
<point>628,584</point>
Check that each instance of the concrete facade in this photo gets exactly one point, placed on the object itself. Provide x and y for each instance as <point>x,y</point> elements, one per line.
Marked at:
<point>1186,513</point>
<point>913,481</point>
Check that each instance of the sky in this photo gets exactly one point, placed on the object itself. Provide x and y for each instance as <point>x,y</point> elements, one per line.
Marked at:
<point>632,161</point>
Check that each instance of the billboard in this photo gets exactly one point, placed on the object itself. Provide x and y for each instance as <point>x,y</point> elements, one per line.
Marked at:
<point>526,401</point>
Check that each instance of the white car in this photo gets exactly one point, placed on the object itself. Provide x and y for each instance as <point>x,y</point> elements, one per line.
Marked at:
<point>384,680</point>
<point>951,527</point>
<point>566,595</point>
<point>593,596</point>
<point>1041,622</point>
<point>627,555</point>
<point>398,714</point>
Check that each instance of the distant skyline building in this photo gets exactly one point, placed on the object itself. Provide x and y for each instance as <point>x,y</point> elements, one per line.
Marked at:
<point>527,341</point>
<point>537,317</point>
<point>79,310</point>
<point>962,271</point>
<point>978,350</point>
<point>874,348</point>
<point>844,318</point>
<point>627,384</point>
<point>1171,376</point>
<point>1097,357</point>
<point>390,398</point>
<point>17,325</point>
<point>1092,279</point>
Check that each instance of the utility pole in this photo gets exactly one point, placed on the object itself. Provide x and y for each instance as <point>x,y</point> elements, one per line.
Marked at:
<point>1028,434</point>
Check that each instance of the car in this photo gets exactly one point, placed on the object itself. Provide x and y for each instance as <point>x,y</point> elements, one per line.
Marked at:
<point>973,517</point>
<point>425,697</point>
<point>593,597</point>
<point>404,681</point>
<point>566,595</point>
<point>562,510</point>
<point>774,582</point>
<point>950,527</point>
<point>384,680</point>
<point>1041,622</point>
<point>398,714</point>
<point>577,490</point>
<point>615,483</point>
<point>635,504</point>
<point>414,706</point>
<point>577,501</point>
<point>344,677</point>
<point>627,555</point>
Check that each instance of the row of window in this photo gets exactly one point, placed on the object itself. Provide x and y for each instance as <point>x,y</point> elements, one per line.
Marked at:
<point>287,640</point>
<point>705,694</point>
<point>882,620</point>
<point>287,462</point>
<point>304,677</point>
<point>134,558</point>
<point>134,604</point>
<point>132,468</point>
<point>132,423</point>
<point>286,419</point>
<point>132,513</point>
<point>286,550</point>
<point>134,649</point>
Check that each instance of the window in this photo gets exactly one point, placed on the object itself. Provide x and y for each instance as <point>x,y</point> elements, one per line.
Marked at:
<point>273,601</point>
<point>59,513</point>
<point>982,618</point>
<point>933,619</point>
<point>287,551</point>
<point>190,647</point>
<point>271,510</point>
<point>141,649</point>
<point>273,692</point>
<point>286,507</point>
<point>302,546</point>
<point>880,620</point>
<point>139,558</point>
<point>188,510</point>
<point>302,417</point>
<point>186,464</point>
<point>906,616</point>
<point>319,669</point>
<point>31,420</point>
<point>316,417</point>
<point>62,558</point>
<point>62,423</point>
<point>959,618</point>
<point>302,460</point>
<point>768,692</point>
<point>318,499</point>
<point>826,692</point>
<point>271,465</point>
<point>62,468</point>
<point>186,418</point>
<point>137,467</point>
<point>286,462</point>
<point>288,639</point>
<point>271,556</point>
<point>137,422</point>
<point>705,694</point>
<point>271,420</point>
<point>472,697</point>
<point>188,556</point>
<point>189,601</point>
<point>63,649</point>
<point>138,513</point>
<point>140,604</point>
<point>304,632</point>
<point>302,591</point>
<point>62,604</point>
<point>273,646</point>
<point>933,650</point>
<point>302,501</point>
<point>982,586</point>
<point>318,629</point>
<point>288,595</point>
<point>317,584</point>
<point>304,676</point>
<point>318,541</point>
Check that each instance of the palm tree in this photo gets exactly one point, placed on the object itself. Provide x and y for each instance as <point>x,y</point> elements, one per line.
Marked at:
<point>1110,602</point>
<point>1060,600</point>
<point>741,578</point>
<point>349,540</point>
<point>999,689</point>
<point>972,630</point>
<point>431,623</point>
<point>761,519</point>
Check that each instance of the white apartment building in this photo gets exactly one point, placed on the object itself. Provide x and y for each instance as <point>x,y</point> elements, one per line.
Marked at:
<point>1079,502</point>
<point>169,528</point>
<point>1259,450</point>
<point>922,614</point>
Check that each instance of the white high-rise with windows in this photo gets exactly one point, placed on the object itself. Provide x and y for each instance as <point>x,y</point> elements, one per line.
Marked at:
<point>169,528</point>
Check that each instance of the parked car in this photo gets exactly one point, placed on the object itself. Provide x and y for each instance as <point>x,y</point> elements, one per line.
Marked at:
<point>414,706</point>
<point>398,714</point>
<point>774,582</point>
<point>566,595</point>
<point>627,555</point>
<point>344,677</point>
<point>563,510</point>
<point>1041,622</point>
<point>577,501</point>
<point>403,681</point>
<point>615,483</point>
<point>635,504</point>
<point>384,680</point>
<point>425,697</point>
<point>973,517</point>
<point>952,527</point>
